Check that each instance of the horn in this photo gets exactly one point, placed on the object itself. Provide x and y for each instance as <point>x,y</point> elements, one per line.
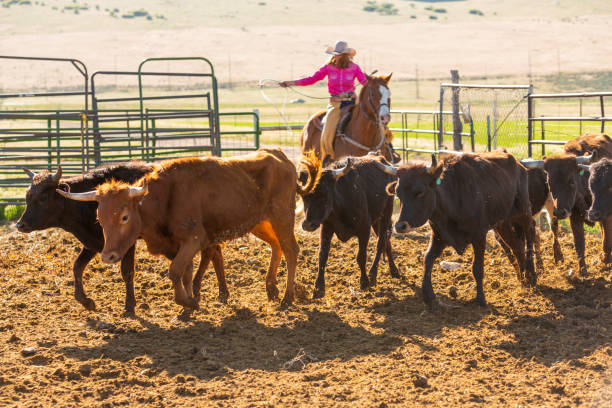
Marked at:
<point>87,196</point>
<point>30,173</point>
<point>387,169</point>
<point>584,167</point>
<point>533,164</point>
<point>58,174</point>
<point>584,159</point>
<point>138,191</point>
<point>337,173</point>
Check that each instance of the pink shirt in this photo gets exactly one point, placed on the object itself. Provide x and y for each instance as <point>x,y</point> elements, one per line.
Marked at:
<point>338,80</point>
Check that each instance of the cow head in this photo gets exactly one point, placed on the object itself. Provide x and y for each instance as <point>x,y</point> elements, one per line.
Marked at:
<point>118,214</point>
<point>600,184</point>
<point>416,188</point>
<point>43,205</point>
<point>566,176</point>
<point>319,198</point>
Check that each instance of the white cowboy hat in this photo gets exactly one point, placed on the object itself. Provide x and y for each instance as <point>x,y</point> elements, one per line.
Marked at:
<point>341,47</point>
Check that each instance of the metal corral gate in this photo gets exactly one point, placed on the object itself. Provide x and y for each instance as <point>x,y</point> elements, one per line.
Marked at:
<point>564,127</point>
<point>118,127</point>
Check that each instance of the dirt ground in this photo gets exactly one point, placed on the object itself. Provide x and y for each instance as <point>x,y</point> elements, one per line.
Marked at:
<point>376,348</point>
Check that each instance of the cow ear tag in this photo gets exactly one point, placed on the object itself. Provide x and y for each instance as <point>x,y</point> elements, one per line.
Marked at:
<point>438,181</point>
<point>582,172</point>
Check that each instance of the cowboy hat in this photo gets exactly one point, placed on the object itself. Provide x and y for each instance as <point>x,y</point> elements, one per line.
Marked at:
<point>341,47</point>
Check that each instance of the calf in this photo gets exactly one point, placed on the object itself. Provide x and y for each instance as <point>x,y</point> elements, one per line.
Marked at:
<point>187,205</point>
<point>348,199</point>
<point>463,197</point>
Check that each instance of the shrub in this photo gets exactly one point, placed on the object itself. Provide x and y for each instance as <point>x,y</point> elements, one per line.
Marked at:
<point>433,17</point>
<point>370,6</point>
<point>429,8</point>
<point>413,16</point>
<point>476,12</point>
<point>440,10</point>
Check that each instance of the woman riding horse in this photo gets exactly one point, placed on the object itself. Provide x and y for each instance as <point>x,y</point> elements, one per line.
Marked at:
<point>341,73</point>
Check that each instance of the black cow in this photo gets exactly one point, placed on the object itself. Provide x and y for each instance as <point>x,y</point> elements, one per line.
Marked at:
<point>45,208</point>
<point>568,178</point>
<point>463,197</point>
<point>348,199</point>
<point>600,186</point>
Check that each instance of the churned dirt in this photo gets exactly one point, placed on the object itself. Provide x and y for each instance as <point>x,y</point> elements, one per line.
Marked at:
<point>376,348</point>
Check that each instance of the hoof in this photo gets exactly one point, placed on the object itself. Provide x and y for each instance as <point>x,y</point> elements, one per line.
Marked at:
<point>583,271</point>
<point>130,314</point>
<point>272,291</point>
<point>364,283</point>
<point>395,273</point>
<point>189,303</point>
<point>480,301</point>
<point>88,304</point>
<point>606,258</point>
<point>287,301</point>
<point>318,293</point>
<point>185,315</point>
<point>558,257</point>
<point>223,297</point>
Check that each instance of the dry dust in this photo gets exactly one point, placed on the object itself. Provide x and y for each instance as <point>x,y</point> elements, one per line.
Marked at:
<point>375,348</point>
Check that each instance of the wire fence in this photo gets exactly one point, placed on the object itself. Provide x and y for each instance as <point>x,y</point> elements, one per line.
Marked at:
<point>487,116</point>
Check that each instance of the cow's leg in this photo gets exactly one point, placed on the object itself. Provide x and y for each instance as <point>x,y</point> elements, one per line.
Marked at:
<point>324,246</point>
<point>80,264</point>
<point>436,246</point>
<point>291,249</point>
<point>478,268</point>
<point>513,245</point>
<point>554,228</point>
<point>504,233</point>
<point>178,267</point>
<point>380,248</point>
<point>536,244</point>
<point>127,272</point>
<point>187,279</point>
<point>385,230</point>
<point>577,224</point>
<point>362,256</point>
<point>265,232</point>
<point>212,253</point>
<point>606,232</point>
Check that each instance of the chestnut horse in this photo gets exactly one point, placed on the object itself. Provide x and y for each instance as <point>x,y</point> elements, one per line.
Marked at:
<point>365,131</point>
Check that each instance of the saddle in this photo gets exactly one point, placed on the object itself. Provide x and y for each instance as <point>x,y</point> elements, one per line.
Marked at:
<point>346,114</point>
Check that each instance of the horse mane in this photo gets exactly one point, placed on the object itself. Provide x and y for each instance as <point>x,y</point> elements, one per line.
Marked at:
<point>313,166</point>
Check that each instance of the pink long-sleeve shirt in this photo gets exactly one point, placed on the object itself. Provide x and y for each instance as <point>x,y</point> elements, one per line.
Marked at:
<point>338,80</point>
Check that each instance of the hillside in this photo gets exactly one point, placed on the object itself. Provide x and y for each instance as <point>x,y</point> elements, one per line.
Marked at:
<point>282,39</point>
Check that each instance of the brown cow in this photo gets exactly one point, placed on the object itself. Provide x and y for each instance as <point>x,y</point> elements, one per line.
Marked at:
<point>186,205</point>
<point>569,192</point>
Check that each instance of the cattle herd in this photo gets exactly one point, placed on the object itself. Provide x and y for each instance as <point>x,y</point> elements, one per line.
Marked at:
<point>184,206</point>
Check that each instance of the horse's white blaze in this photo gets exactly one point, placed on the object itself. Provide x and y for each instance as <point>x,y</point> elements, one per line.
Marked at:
<point>384,101</point>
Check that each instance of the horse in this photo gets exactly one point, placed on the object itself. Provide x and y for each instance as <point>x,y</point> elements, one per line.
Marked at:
<point>366,129</point>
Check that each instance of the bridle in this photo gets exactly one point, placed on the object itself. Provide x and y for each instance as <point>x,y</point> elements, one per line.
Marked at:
<point>376,121</point>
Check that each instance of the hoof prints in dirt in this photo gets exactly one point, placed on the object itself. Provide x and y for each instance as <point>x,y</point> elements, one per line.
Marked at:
<point>547,346</point>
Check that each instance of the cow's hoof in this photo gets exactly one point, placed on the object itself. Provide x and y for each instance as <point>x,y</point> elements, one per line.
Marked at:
<point>88,304</point>
<point>606,258</point>
<point>364,283</point>
<point>318,293</point>
<point>480,301</point>
<point>185,315</point>
<point>558,256</point>
<point>130,314</point>
<point>223,297</point>
<point>287,301</point>
<point>272,291</point>
<point>395,273</point>
<point>583,271</point>
<point>191,303</point>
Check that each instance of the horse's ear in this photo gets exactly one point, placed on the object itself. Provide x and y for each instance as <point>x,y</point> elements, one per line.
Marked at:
<point>387,78</point>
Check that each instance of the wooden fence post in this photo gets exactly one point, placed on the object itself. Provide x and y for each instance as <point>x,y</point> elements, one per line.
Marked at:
<point>457,125</point>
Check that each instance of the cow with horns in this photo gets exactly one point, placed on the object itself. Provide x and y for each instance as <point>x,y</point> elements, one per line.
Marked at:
<point>348,199</point>
<point>567,177</point>
<point>463,196</point>
<point>186,205</point>
<point>45,208</point>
